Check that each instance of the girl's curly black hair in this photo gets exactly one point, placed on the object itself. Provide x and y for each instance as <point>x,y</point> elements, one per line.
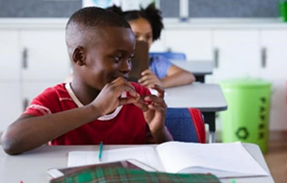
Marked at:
<point>150,13</point>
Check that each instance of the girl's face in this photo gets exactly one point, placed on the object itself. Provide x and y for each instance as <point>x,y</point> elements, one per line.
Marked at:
<point>142,30</point>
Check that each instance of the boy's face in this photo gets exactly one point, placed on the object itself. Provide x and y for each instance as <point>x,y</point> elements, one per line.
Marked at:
<point>108,56</point>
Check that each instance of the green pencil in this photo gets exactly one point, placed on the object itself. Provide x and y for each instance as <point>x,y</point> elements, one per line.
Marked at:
<point>100,151</point>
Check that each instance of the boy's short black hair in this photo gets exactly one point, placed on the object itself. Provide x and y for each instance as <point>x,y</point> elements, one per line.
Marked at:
<point>150,13</point>
<point>89,20</point>
<point>94,16</point>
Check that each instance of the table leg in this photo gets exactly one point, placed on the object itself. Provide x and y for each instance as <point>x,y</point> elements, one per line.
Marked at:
<point>211,137</point>
<point>209,118</point>
<point>200,78</point>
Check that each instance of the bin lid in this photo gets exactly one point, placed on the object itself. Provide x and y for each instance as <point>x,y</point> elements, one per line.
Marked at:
<point>245,83</point>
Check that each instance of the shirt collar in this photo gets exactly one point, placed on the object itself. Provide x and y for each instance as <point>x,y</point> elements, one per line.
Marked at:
<point>79,104</point>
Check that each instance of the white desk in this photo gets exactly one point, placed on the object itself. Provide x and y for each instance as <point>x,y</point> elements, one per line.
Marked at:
<point>205,97</point>
<point>208,98</point>
<point>31,167</point>
<point>198,68</point>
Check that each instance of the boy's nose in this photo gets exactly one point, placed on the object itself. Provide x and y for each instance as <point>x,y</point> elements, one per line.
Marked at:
<point>126,66</point>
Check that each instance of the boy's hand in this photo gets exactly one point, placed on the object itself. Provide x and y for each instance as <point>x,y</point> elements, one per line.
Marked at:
<point>110,96</point>
<point>154,109</point>
<point>149,78</point>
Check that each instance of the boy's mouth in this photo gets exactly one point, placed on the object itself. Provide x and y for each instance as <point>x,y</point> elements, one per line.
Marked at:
<point>123,76</point>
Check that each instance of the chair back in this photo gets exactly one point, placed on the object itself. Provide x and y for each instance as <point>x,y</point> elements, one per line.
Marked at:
<point>170,55</point>
<point>185,124</point>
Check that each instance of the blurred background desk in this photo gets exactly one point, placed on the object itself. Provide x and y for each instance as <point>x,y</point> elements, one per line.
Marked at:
<point>198,68</point>
<point>208,98</point>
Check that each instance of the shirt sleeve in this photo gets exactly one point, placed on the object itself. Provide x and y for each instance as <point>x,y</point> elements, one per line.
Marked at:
<point>159,65</point>
<point>42,104</point>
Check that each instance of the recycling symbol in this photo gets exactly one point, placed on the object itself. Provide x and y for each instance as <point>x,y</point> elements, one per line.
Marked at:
<point>242,133</point>
<point>261,135</point>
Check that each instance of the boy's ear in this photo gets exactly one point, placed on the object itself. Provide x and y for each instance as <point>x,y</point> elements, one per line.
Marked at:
<point>79,56</point>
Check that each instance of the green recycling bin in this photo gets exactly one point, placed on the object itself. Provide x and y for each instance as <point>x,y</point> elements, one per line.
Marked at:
<point>247,117</point>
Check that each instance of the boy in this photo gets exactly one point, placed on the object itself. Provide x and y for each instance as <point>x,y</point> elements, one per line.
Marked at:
<point>99,104</point>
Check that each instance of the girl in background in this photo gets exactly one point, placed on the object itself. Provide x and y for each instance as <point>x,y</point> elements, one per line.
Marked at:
<point>147,26</point>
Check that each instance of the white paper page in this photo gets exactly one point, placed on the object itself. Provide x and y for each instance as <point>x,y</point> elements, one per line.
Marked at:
<point>231,157</point>
<point>218,173</point>
<point>146,155</point>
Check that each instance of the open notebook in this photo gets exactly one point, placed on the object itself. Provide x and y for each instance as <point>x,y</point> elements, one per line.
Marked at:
<point>222,160</point>
<point>129,164</point>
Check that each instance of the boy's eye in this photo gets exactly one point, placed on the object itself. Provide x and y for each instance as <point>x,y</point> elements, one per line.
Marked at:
<point>131,57</point>
<point>118,58</point>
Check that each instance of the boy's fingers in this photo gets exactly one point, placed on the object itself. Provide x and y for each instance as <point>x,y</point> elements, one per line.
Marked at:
<point>156,100</point>
<point>160,90</point>
<point>140,104</point>
<point>132,93</point>
<point>121,81</point>
<point>122,85</point>
<point>156,108</point>
<point>124,101</point>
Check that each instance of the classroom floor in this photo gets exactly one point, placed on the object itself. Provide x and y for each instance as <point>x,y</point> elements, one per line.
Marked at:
<point>276,159</point>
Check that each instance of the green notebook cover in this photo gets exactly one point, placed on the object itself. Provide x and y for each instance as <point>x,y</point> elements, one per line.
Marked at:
<point>113,175</point>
